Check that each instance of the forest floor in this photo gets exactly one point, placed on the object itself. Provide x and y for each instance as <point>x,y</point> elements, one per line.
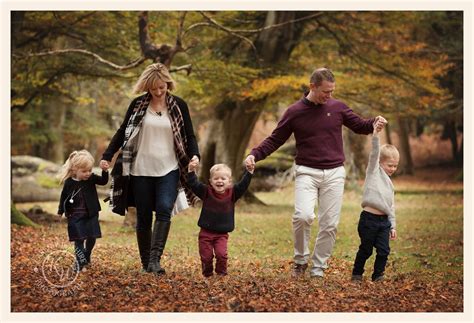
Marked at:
<point>424,272</point>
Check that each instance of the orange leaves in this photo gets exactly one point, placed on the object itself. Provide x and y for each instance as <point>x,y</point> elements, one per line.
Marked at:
<point>261,88</point>
<point>114,283</point>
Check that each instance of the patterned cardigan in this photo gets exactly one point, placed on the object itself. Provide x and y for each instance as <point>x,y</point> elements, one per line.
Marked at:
<point>126,139</point>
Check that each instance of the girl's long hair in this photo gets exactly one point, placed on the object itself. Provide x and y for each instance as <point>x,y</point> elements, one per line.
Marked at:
<point>76,160</point>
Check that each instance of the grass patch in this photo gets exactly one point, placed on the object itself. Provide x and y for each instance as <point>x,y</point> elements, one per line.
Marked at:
<point>429,227</point>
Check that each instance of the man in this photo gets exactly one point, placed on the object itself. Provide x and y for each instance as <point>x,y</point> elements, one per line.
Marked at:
<point>316,121</point>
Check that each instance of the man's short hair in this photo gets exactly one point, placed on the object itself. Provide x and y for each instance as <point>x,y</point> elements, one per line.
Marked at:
<point>322,74</point>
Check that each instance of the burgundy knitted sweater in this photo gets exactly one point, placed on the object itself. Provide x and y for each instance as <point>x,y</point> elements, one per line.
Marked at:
<point>318,132</point>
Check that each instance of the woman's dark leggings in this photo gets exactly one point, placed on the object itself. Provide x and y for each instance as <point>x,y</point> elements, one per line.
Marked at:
<point>154,194</point>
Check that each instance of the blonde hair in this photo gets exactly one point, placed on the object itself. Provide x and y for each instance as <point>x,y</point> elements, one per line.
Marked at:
<point>220,167</point>
<point>76,160</point>
<point>151,75</point>
<point>389,151</point>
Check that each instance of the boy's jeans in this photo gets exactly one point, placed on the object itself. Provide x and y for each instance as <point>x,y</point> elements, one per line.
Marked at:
<point>209,243</point>
<point>374,231</point>
<point>323,188</point>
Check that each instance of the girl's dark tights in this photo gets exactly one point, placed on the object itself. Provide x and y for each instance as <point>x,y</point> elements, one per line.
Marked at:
<point>83,255</point>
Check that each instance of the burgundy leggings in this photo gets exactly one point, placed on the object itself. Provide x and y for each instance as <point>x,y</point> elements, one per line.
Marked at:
<point>211,243</point>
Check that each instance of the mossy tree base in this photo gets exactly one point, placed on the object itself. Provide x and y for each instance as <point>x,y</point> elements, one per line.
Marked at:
<point>19,218</point>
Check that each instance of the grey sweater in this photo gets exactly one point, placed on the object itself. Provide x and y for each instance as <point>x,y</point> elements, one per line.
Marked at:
<point>378,188</point>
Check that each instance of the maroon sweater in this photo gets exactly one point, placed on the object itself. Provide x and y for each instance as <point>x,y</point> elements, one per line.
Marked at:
<point>318,132</point>
<point>217,213</point>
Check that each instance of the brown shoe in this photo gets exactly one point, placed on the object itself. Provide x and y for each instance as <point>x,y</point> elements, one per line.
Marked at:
<point>298,270</point>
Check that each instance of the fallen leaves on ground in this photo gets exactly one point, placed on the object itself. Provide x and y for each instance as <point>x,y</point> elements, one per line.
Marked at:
<point>115,284</point>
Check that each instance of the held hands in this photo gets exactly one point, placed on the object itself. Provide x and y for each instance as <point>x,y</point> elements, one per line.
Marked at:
<point>104,165</point>
<point>193,164</point>
<point>250,163</point>
<point>379,124</point>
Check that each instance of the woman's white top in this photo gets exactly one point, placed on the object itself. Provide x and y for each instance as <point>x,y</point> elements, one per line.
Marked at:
<point>156,155</point>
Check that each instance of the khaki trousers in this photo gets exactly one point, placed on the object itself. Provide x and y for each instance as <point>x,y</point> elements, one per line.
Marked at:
<point>323,188</point>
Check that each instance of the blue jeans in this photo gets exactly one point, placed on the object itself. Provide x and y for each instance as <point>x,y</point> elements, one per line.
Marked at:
<point>374,231</point>
<point>154,194</point>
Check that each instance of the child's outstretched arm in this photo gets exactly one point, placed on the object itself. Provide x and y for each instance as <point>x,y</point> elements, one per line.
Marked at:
<point>196,186</point>
<point>242,185</point>
<point>374,156</point>
<point>103,179</point>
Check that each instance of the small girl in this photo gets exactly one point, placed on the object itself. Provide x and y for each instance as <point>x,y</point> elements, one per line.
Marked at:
<point>217,213</point>
<point>80,202</point>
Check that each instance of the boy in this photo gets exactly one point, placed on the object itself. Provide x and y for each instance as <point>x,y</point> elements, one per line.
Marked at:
<point>217,214</point>
<point>377,220</point>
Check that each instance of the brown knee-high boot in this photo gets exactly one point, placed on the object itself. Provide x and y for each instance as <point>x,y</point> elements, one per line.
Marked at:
<point>158,242</point>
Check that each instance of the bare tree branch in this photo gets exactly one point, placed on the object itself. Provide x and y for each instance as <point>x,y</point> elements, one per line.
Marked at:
<point>187,67</point>
<point>229,31</point>
<point>133,64</point>
<point>196,25</point>
<point>254,31</point>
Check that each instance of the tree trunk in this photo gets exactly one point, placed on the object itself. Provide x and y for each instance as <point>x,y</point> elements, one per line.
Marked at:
<point>356,158</point>
<point>227,135</point>
<point>406,161</point>
<point>56,120</point>
<point>449,132</point>
<point>388,134</point>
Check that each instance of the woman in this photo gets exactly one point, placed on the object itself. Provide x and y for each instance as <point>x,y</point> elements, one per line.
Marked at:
<point>157,142</point>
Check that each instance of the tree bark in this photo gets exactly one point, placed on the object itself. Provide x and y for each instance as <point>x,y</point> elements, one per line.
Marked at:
<point>227,136</point>
<point>449,132</point>
<point>406,160</point>
<point>56,120</point>
<point>356,158</point>
<point>388,134</point>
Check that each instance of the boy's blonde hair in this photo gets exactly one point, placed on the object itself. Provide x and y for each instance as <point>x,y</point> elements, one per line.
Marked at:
<point>150,75</point>
<point>389,151</point>
<point>76,160</point>
<point>220,167</point>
